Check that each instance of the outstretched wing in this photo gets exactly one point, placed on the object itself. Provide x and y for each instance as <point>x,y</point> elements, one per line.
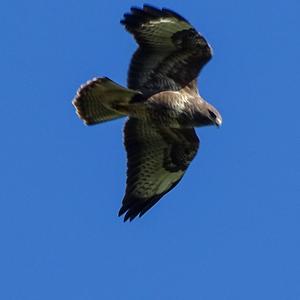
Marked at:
<point>157,160</point>
<point>171,52</point>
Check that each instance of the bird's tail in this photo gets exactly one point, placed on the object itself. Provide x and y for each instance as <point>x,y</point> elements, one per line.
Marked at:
<point>100,100</point>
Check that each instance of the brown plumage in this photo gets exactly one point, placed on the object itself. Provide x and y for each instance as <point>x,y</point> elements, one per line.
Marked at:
<point>162,102</point>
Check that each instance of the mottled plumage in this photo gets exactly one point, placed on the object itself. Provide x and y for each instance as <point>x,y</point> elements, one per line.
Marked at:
<point>162,102</point>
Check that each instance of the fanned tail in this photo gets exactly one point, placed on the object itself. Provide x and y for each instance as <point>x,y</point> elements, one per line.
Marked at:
<point>98,100</point>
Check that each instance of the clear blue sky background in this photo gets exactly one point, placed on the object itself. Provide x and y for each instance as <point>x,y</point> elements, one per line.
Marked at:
<point>229,231</point>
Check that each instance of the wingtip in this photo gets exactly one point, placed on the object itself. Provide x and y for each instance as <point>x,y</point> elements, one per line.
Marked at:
<point>122,211</point>
<point>172,13</point>
<point>138,15</point>
<point>130,214</point>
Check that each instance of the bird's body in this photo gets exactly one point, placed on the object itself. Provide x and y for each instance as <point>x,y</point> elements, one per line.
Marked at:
<point>162,102</point>
<point>174,109</point>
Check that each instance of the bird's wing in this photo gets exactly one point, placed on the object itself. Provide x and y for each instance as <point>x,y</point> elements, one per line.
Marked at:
<point>157,158</point>
<point>95,100</point>
<point>171,52</point>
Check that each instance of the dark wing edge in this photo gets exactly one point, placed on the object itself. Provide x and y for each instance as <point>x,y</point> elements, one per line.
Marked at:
<point>139,21</point>
<point>171,52</point>
<point>156,161</point>
<point>140,205</point>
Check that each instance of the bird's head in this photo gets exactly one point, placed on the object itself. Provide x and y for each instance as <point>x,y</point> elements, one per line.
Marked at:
<point>208,115</point>
<point>214,116</point>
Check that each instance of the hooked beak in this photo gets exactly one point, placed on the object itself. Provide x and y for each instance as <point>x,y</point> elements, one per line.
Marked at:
<point>218,121</point>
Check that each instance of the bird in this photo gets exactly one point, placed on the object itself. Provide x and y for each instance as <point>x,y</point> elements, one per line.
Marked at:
<point>161,102</point>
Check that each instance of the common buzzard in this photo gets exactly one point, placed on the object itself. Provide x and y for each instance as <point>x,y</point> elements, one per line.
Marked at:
<point>162,102</point>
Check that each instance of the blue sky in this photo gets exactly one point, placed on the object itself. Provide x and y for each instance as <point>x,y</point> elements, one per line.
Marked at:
<point>229,231</point>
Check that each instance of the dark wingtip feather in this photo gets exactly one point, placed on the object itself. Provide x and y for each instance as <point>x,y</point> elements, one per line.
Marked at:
<point>122,210</point>
<point>130,215</point>
<point>132,210</point>
<point>131,206</point>
<point>138,16</point>
<point>152,10</point>
<point>134,206</point>
<point>171,13</point>
<point>138,207</point>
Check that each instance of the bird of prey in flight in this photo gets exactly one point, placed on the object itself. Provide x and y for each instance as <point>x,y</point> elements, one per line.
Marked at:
<point>162,103</point>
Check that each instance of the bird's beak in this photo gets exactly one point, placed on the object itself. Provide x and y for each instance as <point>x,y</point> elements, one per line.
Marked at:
<point>218,122</point>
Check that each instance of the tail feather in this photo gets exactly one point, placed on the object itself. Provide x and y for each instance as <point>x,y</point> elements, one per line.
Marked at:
<point>96,101</point>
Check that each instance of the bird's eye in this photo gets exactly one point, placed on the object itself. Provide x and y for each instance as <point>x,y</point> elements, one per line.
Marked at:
<point>212,114</point>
